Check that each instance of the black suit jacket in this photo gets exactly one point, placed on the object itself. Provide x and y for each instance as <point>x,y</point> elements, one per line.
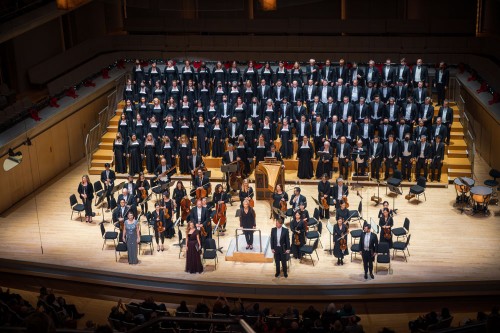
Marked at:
<point>424,75</point>
<point>112,177</point>
<point>339,130</point>
<point>395,150</point>
<point>343,75</point>
<point>277,154</point>
<point>360,72</point>
<point>294,97</point>
<point>443,131</point>
<point>353,133</point>
<point>427,115</point>
<point>444,79</point>
<point>376,153</point>
<point>346,152</point>
<point>397,112</point>
<point>418,132</point>
<point>403,72</point>
<point>330,77</point>
<point>283,93</point>
<point>384,136</point>
<point>190,162</point>
<point>335,191</point>
<point>427,150</point>
<point>419,99</point>
<point>361,112</point>
<point>205,182</point>
<point>325,188</point>
<point>373,246</point>
<point>322,130</point>
<point>437,154</point>
<point>449,115</point>
<point>336,95</point>
<point>314,92</point>
<point>361,93</point>
<point>301,199</point>
<point>193,216</point>
<point>284,239</point>
<point>226,159</point>
<point>390,78</point>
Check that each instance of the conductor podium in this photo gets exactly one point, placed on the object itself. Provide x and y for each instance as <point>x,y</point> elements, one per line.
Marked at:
<point>268,174</point>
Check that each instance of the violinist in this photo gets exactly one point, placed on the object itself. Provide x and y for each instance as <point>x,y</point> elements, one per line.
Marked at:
<point>324,192</point>
<point>386,222</point>
<point>199,217</point>
<point>178,194</point>
<point>246,193</point>
<point>119,215</point>
<point>340,231</point>
<point>168,206</point>
<point>385,204</point>
<point>221,197</point>
<point>158,221</point>
<point>142,188</point>
<point>339,191</point>
<point>129,200</point>
<point>342,212</point>
<point>247,221</point>
<point>280,198</point>
<point>201,182</point>
<point>108,177</point>
<point>303,211</point>
<point>298,229</point>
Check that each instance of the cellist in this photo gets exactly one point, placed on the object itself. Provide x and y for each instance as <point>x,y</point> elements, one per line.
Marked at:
<point>220,197</point>
<point>324,193</point>
<point>178,194</point>
<point>201,183</point>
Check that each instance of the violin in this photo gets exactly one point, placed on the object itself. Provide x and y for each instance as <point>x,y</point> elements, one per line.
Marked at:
<point>343,239</point>
<point>344,199</point>
<point>166,213</point>
<point>387,231</point>
<point>160,226</point>
<point>185,208</point>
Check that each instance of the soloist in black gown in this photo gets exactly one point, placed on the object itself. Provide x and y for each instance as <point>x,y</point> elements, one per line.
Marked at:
<point>193,260</point>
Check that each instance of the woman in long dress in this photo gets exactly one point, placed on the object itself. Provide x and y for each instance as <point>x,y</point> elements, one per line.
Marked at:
<point>202,135</point>
<point>193,260</point>
<point>184,149</point>
<point>217,134</point>
<point>298,229</point>
<point>134,153</point>
<point>386,222</point>
<point>339,231</point>
<point>260,150</point>
<point>86,191</point>
<point>124,127</point>
<point>286,140</point>
<point>168,210</point>
<point>278,196</point>
<point>132,237</point>
<point>119,153</point>
<point>151,153</point>
<point>305,155</point>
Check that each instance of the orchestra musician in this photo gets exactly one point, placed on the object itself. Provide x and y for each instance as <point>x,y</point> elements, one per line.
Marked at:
<point>280,245</point>
<point>219,197</point>
<point>437,154</point>
<point>229,157</point>
<point>298,234</point>
<point>361,157</point>
<point>325,162</point>
<point>386,223</point>
<point>324,192</point>
<point>142,188</point>
<point>161,172</point>
<point>247,221</point>
<point>338,191</point>
<point>178,194</point>
<point>246,192</point>
<point>385,204</point>
<point>200,218</point>
<point>340,231</point>
<point>295,201</point>
<point>158,219</point>
<point>194,162</point>
<point>168,207</point>
<point>108,177</point>
<point>129,200</point>
<point>119,215</point>
<point>201,181</point>
<point>279,196</point>
<point>342,212</point>
<point>86,191</point>
<point>369,246</point>
<point>130,186</point>
<point>376,150</point>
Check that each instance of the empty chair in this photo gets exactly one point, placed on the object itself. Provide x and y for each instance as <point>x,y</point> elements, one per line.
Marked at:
<point>308,250</point>
<point>402,231</point>
<point>355,249</point>
<point>419,189</point>
<point>120,247</point>
<point>98,191</point>
<point>210,251</point>
<point>313,235</point>
<point>383,256</point>
<point>395,180</point>
<point>401,246</point>
<point>355,234</point>
<point>355,215</point>
<point>312,222</point>
<point>494,173</point>
<point>76,207</point>
<point>107,235</point>
<point>147,240</point>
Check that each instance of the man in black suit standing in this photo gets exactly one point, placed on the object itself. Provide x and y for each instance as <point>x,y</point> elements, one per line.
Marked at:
<point>108,177</point>
<point>441,82</point>
<point>422,154</point>
<point>310,90</point>
<point>327,72</point>
<point>388,73</point>
<point>280,245</point>
<point>228,157</point>
<point>341,71</point>
<point>295,93</point>
<point>376,150</point>
<point>319,131</point>
<point>356,73</point>
<point>198,216</point>
<point>312,71</point>
<point>325,91</point>
<point>372,73</point>
<point>407,147</point>
<point>369,246</point>
<point>446,115</point>
<point>343,156</point>
<point>391,155</point>
<point>437,154</point>
<point>419,74</point>
<point>403,73</point>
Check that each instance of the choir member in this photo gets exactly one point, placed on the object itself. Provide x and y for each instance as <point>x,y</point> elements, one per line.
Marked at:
<point>305,156</point>
<point>218,136</point>
<point>119,154</point>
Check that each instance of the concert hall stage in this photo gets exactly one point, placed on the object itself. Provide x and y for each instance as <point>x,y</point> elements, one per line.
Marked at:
<point>452,254</point>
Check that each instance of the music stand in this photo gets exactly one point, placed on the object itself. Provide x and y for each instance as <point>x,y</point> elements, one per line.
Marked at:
<point>226,169</point>
<point>354,155</point>
<point>329,226</point>
<point>396,190</point>
<point>100,202</point>
<point>117,188</point>
<point>216,229</point>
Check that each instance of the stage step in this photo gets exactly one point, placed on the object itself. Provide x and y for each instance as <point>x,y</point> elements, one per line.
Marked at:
<point>457,135</point>
<point>457,144</point>
<point>99,163</point>
<point>102,154</point>
<point>106,145</point>
<point>109,136</point>
<point>453,173</point>
<point>458,163</point>
<point>458,153</point>
<point>114,121</point>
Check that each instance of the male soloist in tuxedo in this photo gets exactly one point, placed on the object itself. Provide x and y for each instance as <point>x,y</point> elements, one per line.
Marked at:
<point>369,247</point>
<point>229,157</point>
<point>199,217</point>
<point>280,245</point>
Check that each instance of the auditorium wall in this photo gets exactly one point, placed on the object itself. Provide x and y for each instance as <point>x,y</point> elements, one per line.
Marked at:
<point>52,152</point>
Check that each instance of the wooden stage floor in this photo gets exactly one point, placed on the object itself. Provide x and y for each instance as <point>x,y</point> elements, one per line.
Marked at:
<point>446,246</point>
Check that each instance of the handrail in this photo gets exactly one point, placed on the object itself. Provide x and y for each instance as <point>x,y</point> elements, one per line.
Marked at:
<point>145,327</point>
<point>249,229</point>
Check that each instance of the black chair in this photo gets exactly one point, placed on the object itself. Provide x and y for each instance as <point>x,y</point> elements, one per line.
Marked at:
<point>355,234</point>
<point>182,242</point>
<point>148,240</point>
<point>402,231</point>
<point>107,235</point>
<point>356,215</point>
<point>120,247</point>
<point>418,189</point>
<point>355,249</point>
<point>401,246</point>
<point>210,251</point>
<point>395,180</point>
<point>383,256</point>
<point>312,222</point>
<point>308,250</point>
<point>493,182</point>
<point>112,206</point>
<point>76,207</point>
<point>98,191</point>
<point>313,235</point>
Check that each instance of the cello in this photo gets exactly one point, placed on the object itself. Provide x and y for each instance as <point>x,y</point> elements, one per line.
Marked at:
<point>236,178</point>
<point>185,208</point>
<point>220,217</point>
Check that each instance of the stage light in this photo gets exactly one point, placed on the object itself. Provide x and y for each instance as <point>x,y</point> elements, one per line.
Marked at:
<point>268,5</point>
